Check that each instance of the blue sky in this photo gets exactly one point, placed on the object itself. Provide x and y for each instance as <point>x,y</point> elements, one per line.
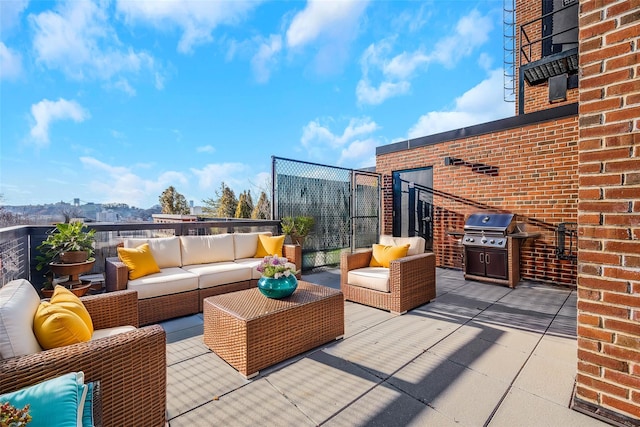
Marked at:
<point>114,101</point>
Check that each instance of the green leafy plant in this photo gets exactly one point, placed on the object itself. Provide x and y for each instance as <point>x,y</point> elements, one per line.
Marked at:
<point>10,416</point>
<point>66,237</point>
<point>297,227</point>
<point>287,224</point>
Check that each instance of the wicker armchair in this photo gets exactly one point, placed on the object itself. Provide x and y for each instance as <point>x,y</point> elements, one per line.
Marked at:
<point>131,366</point>
<point>412,282</point>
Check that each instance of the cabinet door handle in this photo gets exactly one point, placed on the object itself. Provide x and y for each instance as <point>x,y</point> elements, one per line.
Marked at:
<point>487,259</point>
<point>482,258</point>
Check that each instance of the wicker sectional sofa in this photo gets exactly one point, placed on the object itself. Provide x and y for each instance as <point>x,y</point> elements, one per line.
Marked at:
<point>192,268</point>
<point>130,365</point>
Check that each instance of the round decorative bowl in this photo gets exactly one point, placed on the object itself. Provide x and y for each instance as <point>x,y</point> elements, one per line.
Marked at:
<point>277,288</point>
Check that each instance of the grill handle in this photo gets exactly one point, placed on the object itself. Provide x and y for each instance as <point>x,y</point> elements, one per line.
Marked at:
<point>481,257</point>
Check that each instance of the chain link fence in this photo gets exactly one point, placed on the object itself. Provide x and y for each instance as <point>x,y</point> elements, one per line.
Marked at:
<point>344,203</point>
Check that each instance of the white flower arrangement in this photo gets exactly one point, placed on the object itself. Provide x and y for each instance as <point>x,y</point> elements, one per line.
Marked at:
<point>276,267</point>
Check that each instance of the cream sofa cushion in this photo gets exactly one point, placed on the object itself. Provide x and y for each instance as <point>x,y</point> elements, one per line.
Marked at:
<point>219,273</point>
<point>18,304</point>
<point>109,332</point>
<point>376,278</point>
<point>172,280</point>
<point>416,243</point>
<point>206,249</point>
<point>165,250</point>
<point>246,244</point>
<point>253,264</point>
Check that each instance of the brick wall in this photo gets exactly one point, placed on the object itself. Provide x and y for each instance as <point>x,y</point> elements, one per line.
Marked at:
<point>536,97</point>
<point>608,378</point>
<point>532,173</point>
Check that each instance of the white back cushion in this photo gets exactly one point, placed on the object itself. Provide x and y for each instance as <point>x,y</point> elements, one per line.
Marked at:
<point>18,304</point>
<point>246,244</point>
<point>206,249</point>
<point>416,243</point>
<point>165,250</point>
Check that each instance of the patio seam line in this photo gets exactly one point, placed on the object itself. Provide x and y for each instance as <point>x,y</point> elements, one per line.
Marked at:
<point>303,412</point>
<point>510,386</point>
<point>386,379</point>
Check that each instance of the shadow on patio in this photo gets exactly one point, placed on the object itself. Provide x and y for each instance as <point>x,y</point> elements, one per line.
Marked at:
<point>479,354</point>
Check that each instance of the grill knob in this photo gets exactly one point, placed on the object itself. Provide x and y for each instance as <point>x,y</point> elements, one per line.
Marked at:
<point>501,242</point>
<point>483,240</point>
<point>470,239</point>
<point>492,241</point>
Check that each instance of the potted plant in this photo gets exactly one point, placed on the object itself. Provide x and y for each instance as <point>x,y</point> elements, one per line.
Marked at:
<point>66,251</point>
<point>297,227</point>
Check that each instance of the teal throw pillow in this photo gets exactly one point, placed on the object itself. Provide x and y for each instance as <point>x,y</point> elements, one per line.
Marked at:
<point>56,402</point>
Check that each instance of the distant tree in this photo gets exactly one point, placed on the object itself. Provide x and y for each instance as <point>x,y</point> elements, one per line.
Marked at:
<point>226,203</point>
<point>6,218</point>
<point>262,209</point>
<point>249,202</point>
<point>70,212</point>
<point>210,207</point>
<point>243,210</point>
<point>173,202</point>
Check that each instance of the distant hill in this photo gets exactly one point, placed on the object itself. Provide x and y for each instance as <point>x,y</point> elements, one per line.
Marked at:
<point>90,212</point>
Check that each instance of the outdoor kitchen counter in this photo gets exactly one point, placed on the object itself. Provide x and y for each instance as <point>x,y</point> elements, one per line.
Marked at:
<point>525,235</point>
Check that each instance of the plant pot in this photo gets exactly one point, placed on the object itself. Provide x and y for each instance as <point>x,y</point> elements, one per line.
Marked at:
<point>77,289</point>
<point>73,257</point>
<point>277,288</point>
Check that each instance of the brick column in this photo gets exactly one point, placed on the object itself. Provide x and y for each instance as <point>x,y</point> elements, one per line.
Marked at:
<point>608,371</point>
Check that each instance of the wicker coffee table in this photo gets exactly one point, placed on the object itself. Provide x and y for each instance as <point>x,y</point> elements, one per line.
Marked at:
<point>251,332</point>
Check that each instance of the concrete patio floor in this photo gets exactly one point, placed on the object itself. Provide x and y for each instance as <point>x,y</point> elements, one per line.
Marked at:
<point>479,354</point>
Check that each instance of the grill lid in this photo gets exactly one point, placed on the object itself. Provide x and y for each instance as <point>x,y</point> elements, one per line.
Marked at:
<point>490,222</point>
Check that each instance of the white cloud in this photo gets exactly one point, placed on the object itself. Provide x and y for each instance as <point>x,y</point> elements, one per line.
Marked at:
<point>46,112</point>
<point>206,149</point>
<point>323,17</point>
<point>213,174</point>
<point>395,72</point>
<point>265,59</point>
<point>412,20</point>
<point>331,26</point>
<point>482,103</point>
<point>355,141</point>
<point>10,11</point>
<point>196,19</point>
<point>471,32</point>
<point>361,152</point>
<point>78,40</point>
<point>123,85</point>
<point>120,184</point>
<point>368,94</point>
<point>10,63</point>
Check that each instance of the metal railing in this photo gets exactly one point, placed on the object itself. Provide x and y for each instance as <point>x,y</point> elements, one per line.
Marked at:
<point>18,245</point>
<point>527,45</point>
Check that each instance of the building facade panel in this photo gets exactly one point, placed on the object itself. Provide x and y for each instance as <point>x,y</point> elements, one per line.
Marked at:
<point>608,376</point>
<point>531,171</point>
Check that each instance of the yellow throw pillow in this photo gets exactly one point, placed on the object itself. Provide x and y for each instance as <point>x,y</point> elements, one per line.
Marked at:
<point>56,326</point>
<point>383,255</point>
<point>139,261</point>
<point>269,245</point>
<point>63,297</point>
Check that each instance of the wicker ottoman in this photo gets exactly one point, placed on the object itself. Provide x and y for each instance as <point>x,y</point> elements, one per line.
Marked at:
<point>251,332</point>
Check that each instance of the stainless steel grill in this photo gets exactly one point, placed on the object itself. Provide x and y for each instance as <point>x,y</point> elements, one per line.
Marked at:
<point>488,230</point>
<point>490,253</point>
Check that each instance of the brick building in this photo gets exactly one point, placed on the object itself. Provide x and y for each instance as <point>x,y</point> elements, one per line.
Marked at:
<point>569,159</point>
